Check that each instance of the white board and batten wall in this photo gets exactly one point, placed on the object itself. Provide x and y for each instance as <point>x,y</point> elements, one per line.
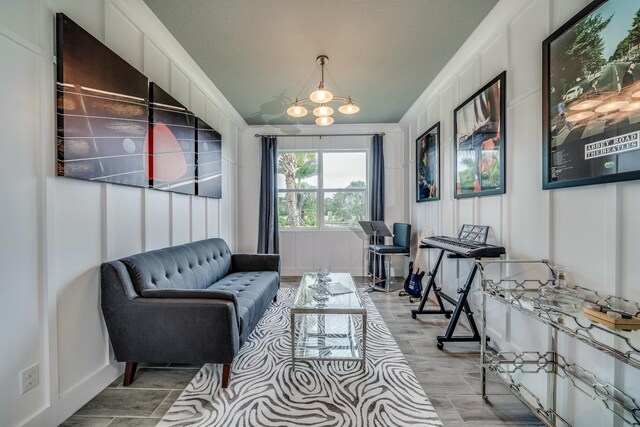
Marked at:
<point>306,250</point>
<point>57,231</point>
<point>593,230</point>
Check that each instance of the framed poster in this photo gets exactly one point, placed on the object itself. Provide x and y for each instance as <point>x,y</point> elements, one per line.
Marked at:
<point>102,110</point>
<point>479,141</point>
<point>591,97</point>
<point>428,165</point>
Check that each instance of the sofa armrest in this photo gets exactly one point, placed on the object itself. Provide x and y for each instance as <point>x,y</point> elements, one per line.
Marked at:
<point>255,262</point>
<point>191,293</point>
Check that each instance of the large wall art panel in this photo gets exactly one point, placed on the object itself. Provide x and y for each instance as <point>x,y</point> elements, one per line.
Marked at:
<point>102,110</point>
<point>171,144</point>
<point>209,155</point>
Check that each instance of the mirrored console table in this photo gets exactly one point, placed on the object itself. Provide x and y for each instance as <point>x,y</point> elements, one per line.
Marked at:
<point>535,376</point>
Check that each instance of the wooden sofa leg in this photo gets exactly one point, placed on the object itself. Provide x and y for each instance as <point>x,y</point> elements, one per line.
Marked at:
<point>226,370</point>
<point>129,373</point>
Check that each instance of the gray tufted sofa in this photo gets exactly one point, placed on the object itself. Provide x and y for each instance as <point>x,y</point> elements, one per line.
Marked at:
<point>194,303</point>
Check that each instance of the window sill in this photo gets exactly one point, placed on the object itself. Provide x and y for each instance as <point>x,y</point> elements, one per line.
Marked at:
<point>302,229</point>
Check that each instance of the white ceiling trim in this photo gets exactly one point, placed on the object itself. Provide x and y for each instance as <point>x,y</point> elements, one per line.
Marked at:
<point>141,15</point>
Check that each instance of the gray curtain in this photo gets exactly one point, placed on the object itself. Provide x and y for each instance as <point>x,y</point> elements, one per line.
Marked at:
<point>268,214</point>
<point>376,196</point>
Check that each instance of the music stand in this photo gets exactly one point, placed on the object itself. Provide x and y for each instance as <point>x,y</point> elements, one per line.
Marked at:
<point>365,245</point>
<point>375,229</point>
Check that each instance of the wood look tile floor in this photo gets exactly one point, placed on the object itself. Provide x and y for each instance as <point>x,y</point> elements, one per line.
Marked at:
<point>451,378</point>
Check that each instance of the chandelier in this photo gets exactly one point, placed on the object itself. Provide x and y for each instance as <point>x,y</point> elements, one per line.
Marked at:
<point>318,100</point>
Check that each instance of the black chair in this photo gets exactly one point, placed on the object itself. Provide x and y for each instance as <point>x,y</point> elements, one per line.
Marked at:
<point>400,246</point>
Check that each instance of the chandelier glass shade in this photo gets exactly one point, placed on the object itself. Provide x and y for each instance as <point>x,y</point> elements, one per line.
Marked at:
<point>297,110</point>
<point>324,121</point>
<point>321,96</point>
<point>322,111</point>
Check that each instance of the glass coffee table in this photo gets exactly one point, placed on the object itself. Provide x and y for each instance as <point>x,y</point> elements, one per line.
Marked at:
<point>325,325</point>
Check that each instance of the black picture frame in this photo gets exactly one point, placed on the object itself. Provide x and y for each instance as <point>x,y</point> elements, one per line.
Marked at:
<point>584,141</point>
<point>428,159</point>
<point>483,156</point>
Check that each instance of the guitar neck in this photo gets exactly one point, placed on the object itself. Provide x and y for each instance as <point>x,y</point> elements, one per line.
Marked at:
<point>415,261</point>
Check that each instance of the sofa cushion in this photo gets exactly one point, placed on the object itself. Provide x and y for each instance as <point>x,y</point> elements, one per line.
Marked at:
<point>192,266</point>
<point>254,291</point>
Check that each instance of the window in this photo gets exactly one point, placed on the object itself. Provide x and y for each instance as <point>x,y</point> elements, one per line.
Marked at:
<point>322,189</point>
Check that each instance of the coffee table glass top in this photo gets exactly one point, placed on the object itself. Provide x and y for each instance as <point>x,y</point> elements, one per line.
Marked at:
<point>310,295</point>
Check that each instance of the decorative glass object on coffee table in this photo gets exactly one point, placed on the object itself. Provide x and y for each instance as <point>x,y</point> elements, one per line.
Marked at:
<point>325,319</point>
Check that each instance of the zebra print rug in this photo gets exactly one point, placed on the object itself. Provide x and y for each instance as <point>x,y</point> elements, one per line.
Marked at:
<point>264,391</point>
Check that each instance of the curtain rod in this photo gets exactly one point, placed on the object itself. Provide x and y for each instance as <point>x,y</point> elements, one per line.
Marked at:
<point>258,135</point>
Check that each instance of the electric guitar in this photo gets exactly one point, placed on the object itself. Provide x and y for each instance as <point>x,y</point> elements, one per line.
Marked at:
<point>413,282</point>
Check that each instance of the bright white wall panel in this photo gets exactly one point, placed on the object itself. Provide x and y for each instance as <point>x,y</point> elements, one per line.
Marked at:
<point>305,249</point>
<point>528,204</point>
<point>494,58</point>
<point>466,214</point>
<point>630,239</point>
<point>468,80</point>
<point>78,255</point>
<point>158,219</point>
<point>157,66</point>
<point>562,11</point>
<point>180,87</point>
<point>224,202</point>
<point>288,251</point>
<point>232,139</point>
<point>233,211</point>
<point>124,219</point>
<point>180,219</point>
<point>198,218</point>
<point>223,128</point>
<point>213,218</point>
<point>339,250</point>
<point>124,37</point>
<point>20,211</point>
<point>434,113</point>
<point>356,250</point>
<point>526,34</point>
<point>322,249</point>
<point>211,115</point>
<point>88,14</point>
<point>489,212</point>
<point>19,16</point>
<point>580,235</point>
<point>449,101</point>
<point>198,102</point>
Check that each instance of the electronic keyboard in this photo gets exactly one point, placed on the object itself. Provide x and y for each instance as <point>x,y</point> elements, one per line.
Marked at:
<point>463,247</point>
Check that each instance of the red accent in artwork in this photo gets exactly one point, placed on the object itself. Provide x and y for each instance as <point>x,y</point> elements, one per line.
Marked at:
<point>167,161</point>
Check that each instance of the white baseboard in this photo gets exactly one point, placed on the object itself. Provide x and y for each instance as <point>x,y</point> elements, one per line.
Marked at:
<point>72,400</point>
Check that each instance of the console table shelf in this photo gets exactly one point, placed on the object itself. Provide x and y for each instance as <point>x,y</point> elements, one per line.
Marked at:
<point>523,373</point>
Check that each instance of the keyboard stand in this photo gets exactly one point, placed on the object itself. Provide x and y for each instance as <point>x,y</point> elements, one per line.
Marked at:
<point>461,305</point>
<point>476,233</point>
<point>436,291</point>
